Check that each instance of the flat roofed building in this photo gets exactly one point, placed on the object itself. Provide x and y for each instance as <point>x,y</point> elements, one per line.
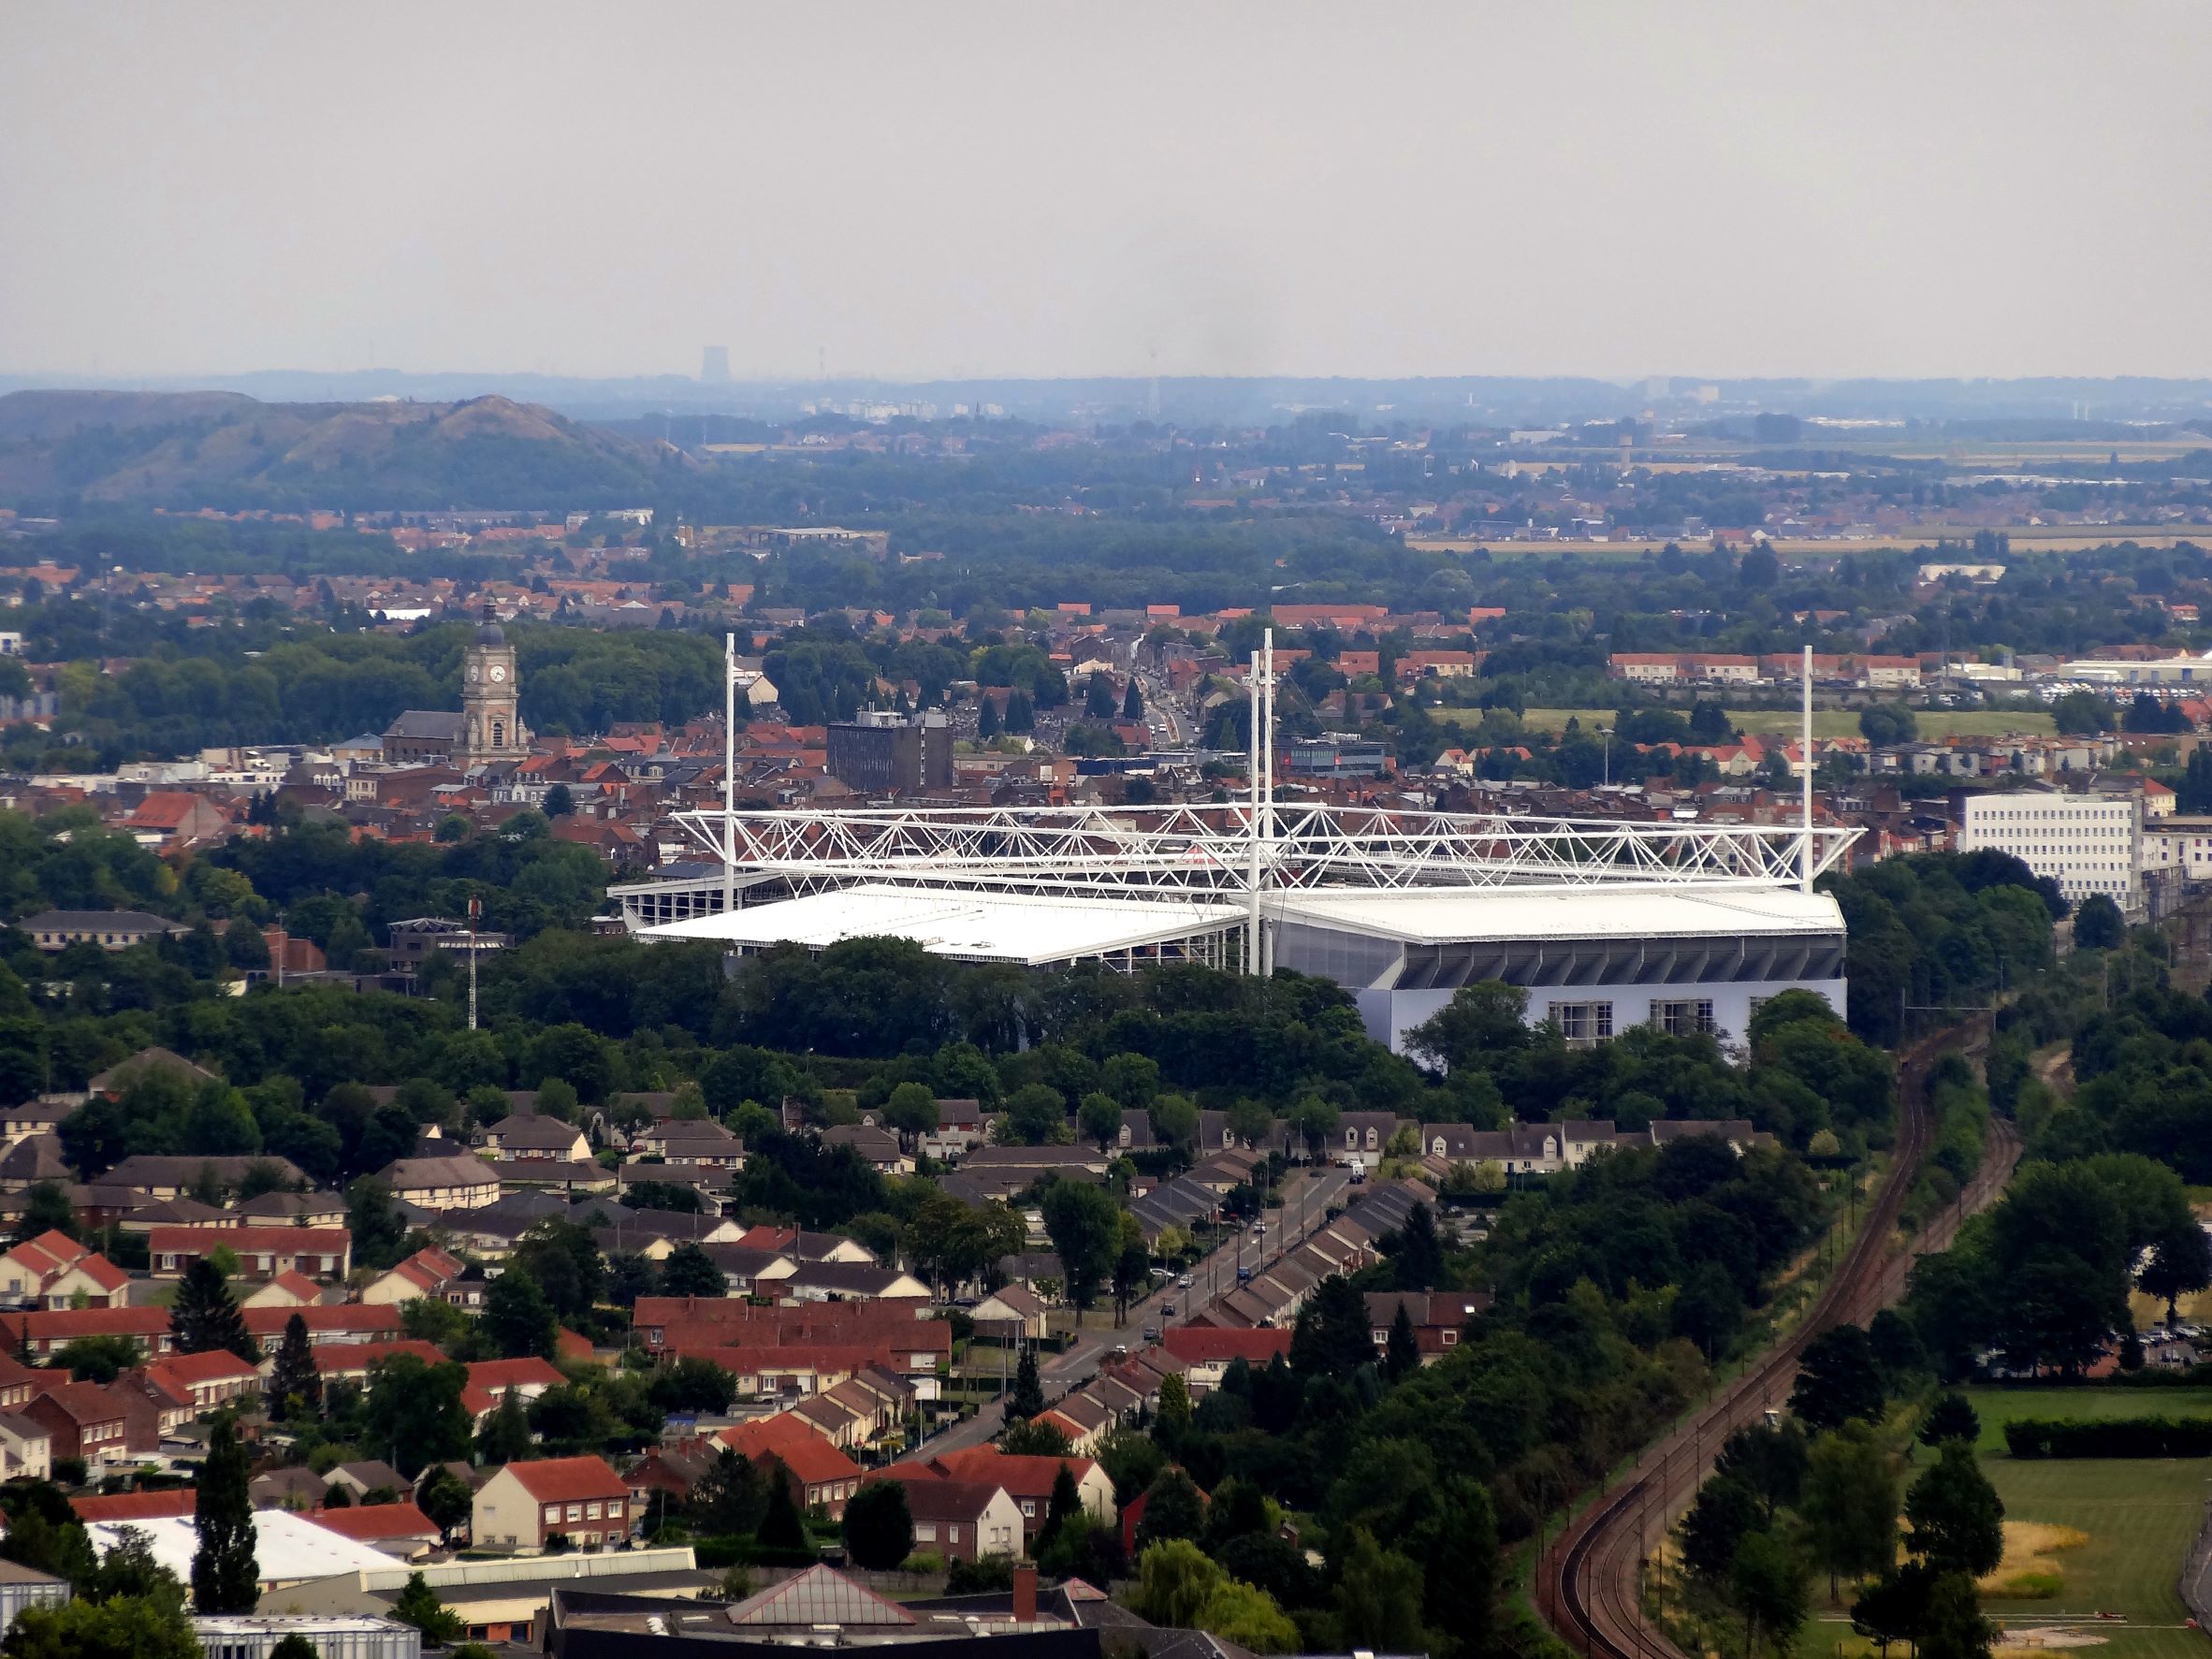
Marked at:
<point>1595,960</point>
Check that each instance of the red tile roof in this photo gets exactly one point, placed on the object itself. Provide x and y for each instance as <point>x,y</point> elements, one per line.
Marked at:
<point>136,1506</point>
<point>1024,1476</point>
<point>365,1523</point>
<point>1196,1344</point>
<point>251,1241</point>
<point>497,1374</point>
<point>567,1481</point>
<point>365,1319</point>
<point>203,1368</point>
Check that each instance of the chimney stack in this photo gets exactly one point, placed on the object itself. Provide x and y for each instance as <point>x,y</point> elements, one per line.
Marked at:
<point>1025,1593</point>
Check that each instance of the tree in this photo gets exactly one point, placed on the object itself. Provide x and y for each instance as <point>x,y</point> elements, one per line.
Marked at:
<point>561,801</point>
<point>912,1110</point>
<point>1837,1379</point>
<point>1771,1458</point>
<point>1401,1353</point>
<point>1849,1504</point>
<point>517,1319</point>
<point>1036,1115</point>
<point>225,1579</point>
<point>1099,1118</point>
<point>1482,1022</point>
<point>1768,1584</point>
<point>1894,1607</point>
<point>783,1527</point>
<point>506,1435</point>
<point>295,1386</point>
<point>445,1498</point>
<point>692,1384</point>
<point>2181,1263</point>
<point>1027,1398</point>
<point>2097,924</point>
<point>374,1219</point>
<point>1951,1417</point>
<point>1378,1597</point>
<point>47,1209</point>
<point>1332,1337</point>
<point>127,1627</point>
<point>413,1414</point>
<point>1727,1510</point>
<point>1952,1625</point>
<point>1418,1260</point>
<point>1314,1121</point>
<point>690,1271</point>
<point>1064,1504</point>
<point>1956,1516</point>
<point>1174,1406</point>
<point>205,1318</point>
<point>729,1496</point>
<point>1174,1580</point>
<point>1172,1510</point>
<point>1085,1227</point>
<point>295,1646</point>
<point>1885,723</point>
<point>879,1525</point>
<point>1032,1439</point>
<point>419,1605</point>
<point>129,1569</point>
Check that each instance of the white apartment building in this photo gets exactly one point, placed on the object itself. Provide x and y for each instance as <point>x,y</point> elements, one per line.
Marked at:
<point>2086,843</point>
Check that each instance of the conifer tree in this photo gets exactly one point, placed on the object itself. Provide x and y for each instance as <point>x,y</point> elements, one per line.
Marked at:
<point>295,1386</point>
<point>206,1319</point>
<point>226,1578</point>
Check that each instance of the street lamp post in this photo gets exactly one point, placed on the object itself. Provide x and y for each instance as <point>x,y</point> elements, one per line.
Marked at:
<point>1608,737</point>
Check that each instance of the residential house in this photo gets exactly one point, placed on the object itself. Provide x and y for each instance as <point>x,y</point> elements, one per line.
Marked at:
<point>54,1270</point>
<point>399,1529</point>
<point>369,1474</point>
<point>520,1136</point>
<point>958,1520</point>
<point>26,1449</point>
<point>89,1420</point>
<point>289,1289</point>
<point>459,1181</point>
<point>162,1177</point>
<point>1028,1480</point>
<point>1011,1314</point>
<point>1437,1317</point>
<point>111,930</point>
<point>879,1148</point>
<point>579,1498</point>
<point>207,1380</point>
<point>325,1253</point>
<point>1209,1351</point>
<point>821,1476</point>
<point>429,1271</point>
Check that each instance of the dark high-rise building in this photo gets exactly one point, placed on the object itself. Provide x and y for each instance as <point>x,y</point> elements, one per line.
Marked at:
<point>883,754</point>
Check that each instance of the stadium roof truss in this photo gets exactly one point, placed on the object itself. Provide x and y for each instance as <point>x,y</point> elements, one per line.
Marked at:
<point>1208,849</point>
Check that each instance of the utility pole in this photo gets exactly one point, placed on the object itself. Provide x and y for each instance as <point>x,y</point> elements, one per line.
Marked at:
<point>475,915</point>
<point>1806,848</point>
<point>729,773</point>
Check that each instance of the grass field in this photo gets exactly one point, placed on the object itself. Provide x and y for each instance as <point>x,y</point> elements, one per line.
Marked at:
<point>2140,1516</point>
<point>1827,723</point>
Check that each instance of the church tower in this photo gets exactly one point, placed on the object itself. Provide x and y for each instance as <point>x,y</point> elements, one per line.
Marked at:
<point>492,721</point>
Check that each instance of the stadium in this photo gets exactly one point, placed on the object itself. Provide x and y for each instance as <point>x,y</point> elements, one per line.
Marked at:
<point>1606,924</point>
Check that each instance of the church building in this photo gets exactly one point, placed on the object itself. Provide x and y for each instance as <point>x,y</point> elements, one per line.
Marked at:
<point>490,724</point>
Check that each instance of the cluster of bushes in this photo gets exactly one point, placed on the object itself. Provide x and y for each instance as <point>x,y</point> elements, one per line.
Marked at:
<point>2109,1437</point>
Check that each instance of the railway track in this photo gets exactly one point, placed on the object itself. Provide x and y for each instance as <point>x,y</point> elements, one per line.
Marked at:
<point>1589,1581</point>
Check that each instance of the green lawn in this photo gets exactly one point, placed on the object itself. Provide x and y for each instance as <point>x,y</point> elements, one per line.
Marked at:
<point>2140,1515</point>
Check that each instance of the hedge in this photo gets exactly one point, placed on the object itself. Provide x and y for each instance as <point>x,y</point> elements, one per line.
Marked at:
<point>2109,1437</point>
<point>717,1552</point>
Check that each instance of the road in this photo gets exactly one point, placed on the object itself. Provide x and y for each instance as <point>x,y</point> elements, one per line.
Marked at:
<point>1589,1580</point>
<point>1306,1197</point>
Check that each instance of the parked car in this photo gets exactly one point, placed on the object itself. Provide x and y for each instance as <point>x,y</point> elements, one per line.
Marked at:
<point>1183,1281</point>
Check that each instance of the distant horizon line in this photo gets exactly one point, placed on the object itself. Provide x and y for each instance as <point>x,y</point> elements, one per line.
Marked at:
<point>187,380</point>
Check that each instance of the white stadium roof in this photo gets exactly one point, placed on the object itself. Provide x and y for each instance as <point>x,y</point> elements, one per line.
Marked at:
<point>1438,915</point>
<point>990,927</point>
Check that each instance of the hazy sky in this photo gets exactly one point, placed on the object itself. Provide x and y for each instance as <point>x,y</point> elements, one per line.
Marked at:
<point>1032,189</point>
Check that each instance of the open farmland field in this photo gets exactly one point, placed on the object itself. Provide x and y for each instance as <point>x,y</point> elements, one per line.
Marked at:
<point>2138,1517</point>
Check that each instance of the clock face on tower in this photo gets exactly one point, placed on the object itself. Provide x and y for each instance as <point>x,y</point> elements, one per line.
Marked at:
<point>473,671</point>
<point>499,673</point>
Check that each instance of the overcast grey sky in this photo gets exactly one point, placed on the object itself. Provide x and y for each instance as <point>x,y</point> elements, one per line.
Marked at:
<point>921,190</point>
